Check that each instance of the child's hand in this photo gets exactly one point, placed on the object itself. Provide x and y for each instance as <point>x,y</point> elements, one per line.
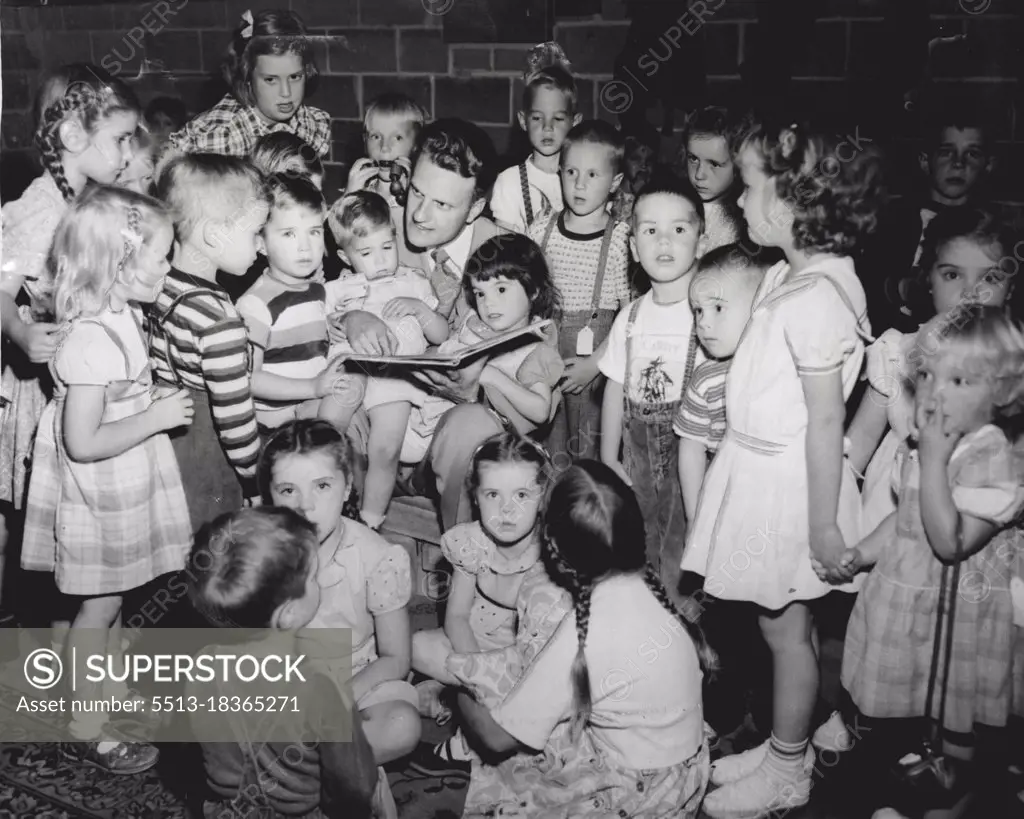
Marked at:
<point>487,375</point>
<point>403,306</point>
<point>936,436</point>
<point>579,372</point>
<point>827,548</point>
<point>38,341</point>
<point>334,378</point>
<point>359,175</point>
<point>620,470</point>
<point>173,411</point>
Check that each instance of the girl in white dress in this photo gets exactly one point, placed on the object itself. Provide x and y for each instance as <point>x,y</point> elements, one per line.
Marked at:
<point>778,491</point>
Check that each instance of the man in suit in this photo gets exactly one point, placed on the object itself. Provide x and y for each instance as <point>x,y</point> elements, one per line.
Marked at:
<point>453,169</point>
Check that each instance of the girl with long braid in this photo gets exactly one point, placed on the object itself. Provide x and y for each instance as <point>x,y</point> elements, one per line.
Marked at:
<point>85,121</point>
<point>607,719</point>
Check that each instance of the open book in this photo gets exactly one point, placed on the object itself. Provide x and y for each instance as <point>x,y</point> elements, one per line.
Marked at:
<point>456,358</point>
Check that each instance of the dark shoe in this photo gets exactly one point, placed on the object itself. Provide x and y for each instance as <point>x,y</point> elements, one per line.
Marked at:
<point>428,762</point>
<point>125,758</point>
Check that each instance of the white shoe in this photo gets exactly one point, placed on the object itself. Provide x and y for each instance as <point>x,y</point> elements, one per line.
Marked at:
<point>887,813</point>
<point>758,795</point>
<point>735,767</point>
<point>833,735</point>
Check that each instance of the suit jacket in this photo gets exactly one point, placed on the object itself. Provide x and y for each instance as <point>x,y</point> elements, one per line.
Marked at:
<point>449,292</point>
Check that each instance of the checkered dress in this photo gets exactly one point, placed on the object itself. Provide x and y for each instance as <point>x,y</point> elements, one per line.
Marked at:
<point>888,650</point>
<point>114,524</point>
<point>232,129</point>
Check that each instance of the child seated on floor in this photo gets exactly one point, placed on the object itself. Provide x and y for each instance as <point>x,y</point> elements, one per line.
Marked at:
<point>258,570</point>
<point>404,298</point>
<point>365,582</point>
<point>490,556</point>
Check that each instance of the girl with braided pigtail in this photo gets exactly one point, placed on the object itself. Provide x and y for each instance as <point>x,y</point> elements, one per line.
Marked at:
<point>85,121</point>
<point>607,719</point>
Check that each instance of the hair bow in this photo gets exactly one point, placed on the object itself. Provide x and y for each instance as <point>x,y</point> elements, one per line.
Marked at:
<point>247,18</point>
<point>132,238</point>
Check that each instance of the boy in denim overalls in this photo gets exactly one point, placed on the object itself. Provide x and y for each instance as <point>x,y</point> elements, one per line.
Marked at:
<point>651,351</point>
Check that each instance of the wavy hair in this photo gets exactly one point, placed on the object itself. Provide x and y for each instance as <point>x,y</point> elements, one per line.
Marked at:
<point>462,148</point>
<point>93,248</point>
<point>998,341</point>
<point>274,32</point>
<point>594,529</point>
<point>548,67</point>
<point>82,92</point>
<point>835,198</point>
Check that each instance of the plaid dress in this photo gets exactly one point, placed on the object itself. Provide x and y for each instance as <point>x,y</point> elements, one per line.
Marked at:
<point>888,650</point>
<point>232,129</point>
<point>114,524</point>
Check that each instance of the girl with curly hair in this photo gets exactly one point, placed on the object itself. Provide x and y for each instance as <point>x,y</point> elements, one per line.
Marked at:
<point>779,492</point>
<point>960,487</point>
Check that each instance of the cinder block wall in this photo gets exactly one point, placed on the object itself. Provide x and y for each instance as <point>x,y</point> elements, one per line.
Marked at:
<point>367,46</point>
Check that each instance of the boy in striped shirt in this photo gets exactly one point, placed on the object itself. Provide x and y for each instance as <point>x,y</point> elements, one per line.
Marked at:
<point>197,338</point>
<point>284,310</point>
<point>721,297</point>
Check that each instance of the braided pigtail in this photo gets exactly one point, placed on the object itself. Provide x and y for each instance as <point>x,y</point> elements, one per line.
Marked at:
<point>688,617</point>
<point>50,146</point>
<point>582,702</point>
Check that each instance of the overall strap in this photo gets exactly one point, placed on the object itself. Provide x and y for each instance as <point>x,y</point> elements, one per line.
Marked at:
<point>162,317</point>
<point>524,184</point>
<point>547,233</point>
<point>691,359</point>
<point>116,340</point>
<point>634,309</point>
<point>602,263</point>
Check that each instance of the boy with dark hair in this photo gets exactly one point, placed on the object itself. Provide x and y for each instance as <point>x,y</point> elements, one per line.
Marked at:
<point>955,159</point>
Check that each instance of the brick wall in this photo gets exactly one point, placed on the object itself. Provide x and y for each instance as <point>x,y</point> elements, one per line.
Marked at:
<point>366,46</point>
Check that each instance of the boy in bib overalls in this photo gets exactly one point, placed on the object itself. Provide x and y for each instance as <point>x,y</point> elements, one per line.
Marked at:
<point>651,351</point>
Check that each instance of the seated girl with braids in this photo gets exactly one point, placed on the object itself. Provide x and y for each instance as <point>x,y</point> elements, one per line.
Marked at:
<point>607,718</point>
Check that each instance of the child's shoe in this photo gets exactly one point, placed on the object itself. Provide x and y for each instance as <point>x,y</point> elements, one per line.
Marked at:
<point>833,735</point>
<point>733,768</point>
<point>436,761</point>
<point>760,794</point>
<point>887,813</point>
<point>113,756</point>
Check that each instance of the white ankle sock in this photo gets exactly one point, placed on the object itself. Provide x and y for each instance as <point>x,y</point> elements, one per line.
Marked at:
<point>454,749</point>
<point>786,759</point>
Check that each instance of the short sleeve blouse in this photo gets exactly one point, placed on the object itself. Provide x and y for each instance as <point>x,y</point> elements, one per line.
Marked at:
<point>888,371</point>
<point>821,329</point>
<point>29,224</point>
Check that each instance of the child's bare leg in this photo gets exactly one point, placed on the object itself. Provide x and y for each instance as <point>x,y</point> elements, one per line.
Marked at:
<point>89,634</point>
<point>430,649</point>
<point>344,402</point>
<point>392,729</point>
<point>795,670</point>
<point>387,431</point>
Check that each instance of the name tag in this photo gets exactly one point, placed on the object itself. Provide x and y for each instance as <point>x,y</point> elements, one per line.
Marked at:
<point>585,342</point>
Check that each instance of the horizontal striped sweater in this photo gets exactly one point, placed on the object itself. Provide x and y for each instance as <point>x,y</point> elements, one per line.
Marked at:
<point>204,341</point>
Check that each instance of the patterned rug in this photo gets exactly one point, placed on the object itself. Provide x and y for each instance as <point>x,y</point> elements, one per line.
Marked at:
<point>35,782</point>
